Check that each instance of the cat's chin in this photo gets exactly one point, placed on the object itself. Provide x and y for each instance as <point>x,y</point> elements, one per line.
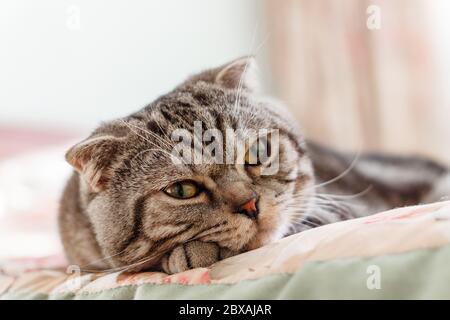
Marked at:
<point>270,228</point>
<point>262,238</point>
<point>258,242</point>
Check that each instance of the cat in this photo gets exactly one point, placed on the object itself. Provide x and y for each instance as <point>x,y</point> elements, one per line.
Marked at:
<point>129,206</point>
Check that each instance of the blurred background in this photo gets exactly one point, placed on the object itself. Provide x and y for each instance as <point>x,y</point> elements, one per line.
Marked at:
<point>357,74</point>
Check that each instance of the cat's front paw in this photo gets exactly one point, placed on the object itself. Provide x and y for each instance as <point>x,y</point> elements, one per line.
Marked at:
<point>194,254</point>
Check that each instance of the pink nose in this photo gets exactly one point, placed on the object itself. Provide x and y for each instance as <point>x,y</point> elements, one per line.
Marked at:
<point>250,208</point>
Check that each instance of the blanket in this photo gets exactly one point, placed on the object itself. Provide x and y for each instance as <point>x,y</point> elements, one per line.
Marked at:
<point>399,254</point>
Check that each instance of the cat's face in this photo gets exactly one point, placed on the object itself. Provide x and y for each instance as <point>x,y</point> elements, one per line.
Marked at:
<point>142,203</point>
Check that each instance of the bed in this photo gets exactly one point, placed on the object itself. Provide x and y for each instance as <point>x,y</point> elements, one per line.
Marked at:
<point>399,254</point>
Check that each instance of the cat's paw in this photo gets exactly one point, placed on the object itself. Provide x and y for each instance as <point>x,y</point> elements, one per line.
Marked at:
<point>194,254</point>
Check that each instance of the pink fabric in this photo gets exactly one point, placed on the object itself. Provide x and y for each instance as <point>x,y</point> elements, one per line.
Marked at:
<point>33,173</point>
<point>15,140</point>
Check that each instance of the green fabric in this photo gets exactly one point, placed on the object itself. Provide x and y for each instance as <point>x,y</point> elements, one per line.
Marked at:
<point>419,274</point>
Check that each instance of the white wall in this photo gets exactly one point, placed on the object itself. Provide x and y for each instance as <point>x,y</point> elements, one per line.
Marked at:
<point>123,55</point>
<point>439,18</point>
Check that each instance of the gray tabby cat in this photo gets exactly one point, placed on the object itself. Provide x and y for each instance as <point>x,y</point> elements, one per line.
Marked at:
<point>128,206</point>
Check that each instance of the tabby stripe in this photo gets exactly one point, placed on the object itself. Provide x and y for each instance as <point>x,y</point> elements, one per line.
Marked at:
<point>188,257</point>
<point>165,115</point>
<point>216,232</point>
<point>137,221</point>
<point>136,117</point>
<point>167,238</point>
<point>287,133</point>
<point>173,234</point>
<point>209,228</point>
<point>218,257</point>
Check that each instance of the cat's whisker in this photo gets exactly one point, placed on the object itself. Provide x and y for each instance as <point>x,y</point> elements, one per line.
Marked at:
<point>350,196</point>
<point>309,208</point>
<point>163,131</point>
<point>158,150</point>
<point>243,74</point>
<point>308,223</point>
<point>314,201</point>
<point>208,229</point>
<point>130,127</point>
<point>240,85</point>
<point>343,203</point>
<point>103,259</point>
<point>123,268</point>
<point>170,155</point>
<point>341,175</point>
<point>152,134</point>
<point>309,220</point>
<point>305,218</point>
<point>315,206</point>
<point>333,203</point>
<point>167,143</point>
<point>164,144</point>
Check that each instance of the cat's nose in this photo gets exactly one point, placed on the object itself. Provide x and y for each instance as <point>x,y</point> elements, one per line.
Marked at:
<point>250,208</point>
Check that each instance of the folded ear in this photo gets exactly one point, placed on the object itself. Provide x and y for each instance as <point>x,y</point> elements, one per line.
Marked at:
<point>241,73</point>
<point>93,159</point>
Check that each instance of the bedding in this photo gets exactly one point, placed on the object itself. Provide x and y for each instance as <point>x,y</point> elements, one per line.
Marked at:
<point>31,182</point>
<point>399,254</point>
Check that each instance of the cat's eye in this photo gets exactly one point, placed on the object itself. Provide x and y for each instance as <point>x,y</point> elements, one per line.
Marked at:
<point>182,190</point>
<point>257,153</point>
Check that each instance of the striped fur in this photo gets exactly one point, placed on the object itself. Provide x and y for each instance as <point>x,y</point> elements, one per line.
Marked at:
<point>114,215</point>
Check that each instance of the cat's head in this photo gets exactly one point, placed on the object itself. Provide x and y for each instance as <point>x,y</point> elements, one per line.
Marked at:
<point>143,196</point>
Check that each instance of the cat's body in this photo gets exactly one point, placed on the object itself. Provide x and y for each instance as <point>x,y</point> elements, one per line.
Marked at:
<point>120,210</point>
<point>356,185</point>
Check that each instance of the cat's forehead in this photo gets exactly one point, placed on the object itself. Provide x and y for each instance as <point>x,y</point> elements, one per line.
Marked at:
<point>193,111</point>
<point>215,108</point>
<point>161,170</point>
